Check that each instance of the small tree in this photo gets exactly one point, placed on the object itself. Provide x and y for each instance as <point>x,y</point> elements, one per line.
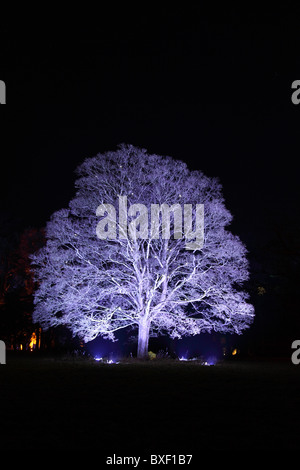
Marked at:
<point>138,276</point>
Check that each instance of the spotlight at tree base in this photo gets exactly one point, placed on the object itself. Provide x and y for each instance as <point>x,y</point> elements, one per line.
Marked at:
<point>98,359</point>
<point>105,361</point>
<point>211,361</point>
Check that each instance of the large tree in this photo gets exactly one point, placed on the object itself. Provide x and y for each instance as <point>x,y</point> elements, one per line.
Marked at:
<point>143,276</point>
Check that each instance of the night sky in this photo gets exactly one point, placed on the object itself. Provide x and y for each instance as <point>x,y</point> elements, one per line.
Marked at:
<point>213,90</point>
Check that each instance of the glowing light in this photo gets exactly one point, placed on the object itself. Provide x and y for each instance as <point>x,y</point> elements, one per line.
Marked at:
<point>211,360</point>
<point>40,335</point>
<point>109,361</point>
<point>151,355</point>
<point>32,343</point>
<point>234,352</point>
<point>182,358</point>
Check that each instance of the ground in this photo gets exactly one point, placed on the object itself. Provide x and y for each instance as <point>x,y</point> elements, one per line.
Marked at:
<point>163,406</point>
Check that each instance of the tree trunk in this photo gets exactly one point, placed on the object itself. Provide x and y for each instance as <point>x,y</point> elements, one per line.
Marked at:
<point>143,340</point>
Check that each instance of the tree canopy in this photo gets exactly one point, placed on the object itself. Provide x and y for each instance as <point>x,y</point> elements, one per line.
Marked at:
<point>141,274</point>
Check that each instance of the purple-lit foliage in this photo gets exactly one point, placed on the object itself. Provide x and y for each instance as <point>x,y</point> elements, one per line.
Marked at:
<point>97,287</point>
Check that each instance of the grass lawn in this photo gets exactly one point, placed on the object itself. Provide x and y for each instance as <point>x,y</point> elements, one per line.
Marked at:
<point>157,406</point>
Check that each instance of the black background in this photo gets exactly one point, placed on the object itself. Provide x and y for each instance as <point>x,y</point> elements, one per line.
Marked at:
<point>212,88</point>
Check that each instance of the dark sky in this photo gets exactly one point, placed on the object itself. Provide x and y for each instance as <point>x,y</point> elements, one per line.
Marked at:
<point>215,92</point>
<point>213,89</point>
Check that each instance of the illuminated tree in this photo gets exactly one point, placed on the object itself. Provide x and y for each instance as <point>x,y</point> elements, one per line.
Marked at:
<point>139,277</point>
